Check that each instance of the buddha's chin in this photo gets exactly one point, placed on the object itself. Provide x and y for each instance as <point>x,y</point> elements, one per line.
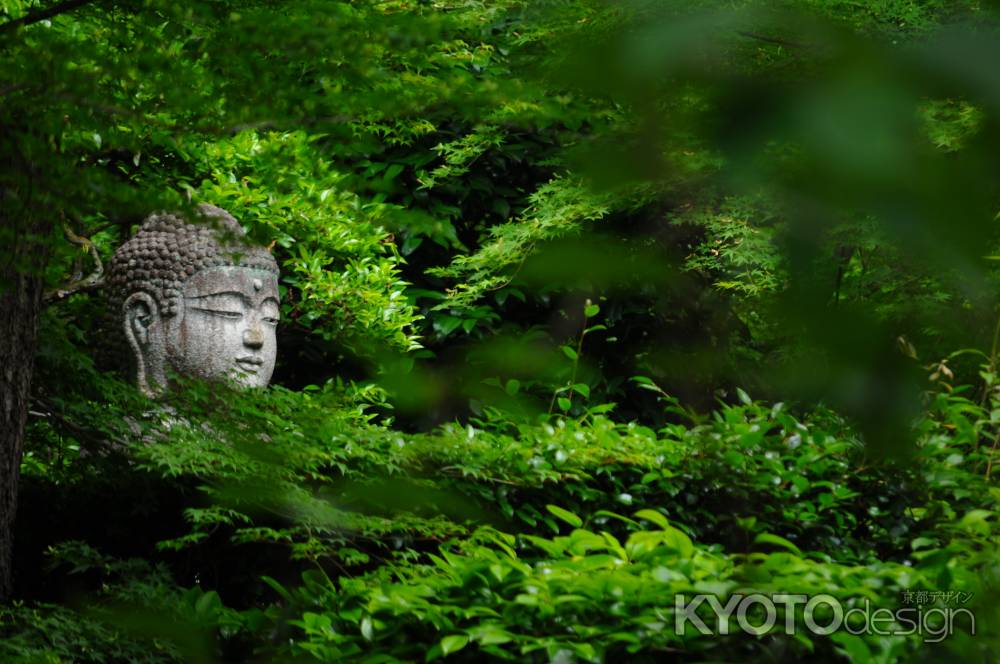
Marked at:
<point>246,380</point>
<point>242,375</point>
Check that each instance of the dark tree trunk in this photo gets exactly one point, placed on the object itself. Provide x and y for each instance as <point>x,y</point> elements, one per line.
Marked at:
<point>20,303</point>
<point>24,251</point>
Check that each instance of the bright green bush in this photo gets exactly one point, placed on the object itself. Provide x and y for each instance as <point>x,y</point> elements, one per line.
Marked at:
<point>568,536</point>
<point>490,216</point>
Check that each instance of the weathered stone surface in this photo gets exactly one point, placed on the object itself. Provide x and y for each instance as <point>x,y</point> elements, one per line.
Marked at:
<point>194,299</point>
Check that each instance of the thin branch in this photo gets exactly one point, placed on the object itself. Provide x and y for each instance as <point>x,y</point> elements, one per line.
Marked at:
<point>109,109</point>
<point>37,15</point>
<point>989,461</point>
<point>123,222</point>
<point>13,88</point>
<point>277,126</point>
<point>210,130</point>
<point>95,280</point>
<point>91,441</point>
<point>771,40</point>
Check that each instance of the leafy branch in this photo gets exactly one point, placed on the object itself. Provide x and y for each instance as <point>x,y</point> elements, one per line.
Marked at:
<point>42,14</point>
<point>589,311</point>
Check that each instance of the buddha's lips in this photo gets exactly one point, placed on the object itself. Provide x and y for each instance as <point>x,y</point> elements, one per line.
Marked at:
<point>250,364</point>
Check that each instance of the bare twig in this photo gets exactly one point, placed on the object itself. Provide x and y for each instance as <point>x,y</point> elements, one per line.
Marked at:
<point>94,280</point>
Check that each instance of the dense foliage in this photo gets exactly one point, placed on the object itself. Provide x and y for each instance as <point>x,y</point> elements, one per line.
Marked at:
<point>536,257</point>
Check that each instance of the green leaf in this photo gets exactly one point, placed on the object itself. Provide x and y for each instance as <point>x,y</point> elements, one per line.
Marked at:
<point>453,643</point>
<point>393,171</point>
<point>768,538</point>
<point>278,588</point>
<point>492,635</point>
<point>208,604</point>
<point>743,396</point>
<point>654,517</point>
<point>445,325</point>
<point>565,515</point>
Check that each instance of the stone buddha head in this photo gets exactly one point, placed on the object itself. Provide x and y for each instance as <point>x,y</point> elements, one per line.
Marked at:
<point>194,298</point>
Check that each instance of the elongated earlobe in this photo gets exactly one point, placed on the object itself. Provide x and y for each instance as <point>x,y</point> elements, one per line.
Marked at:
<point>141,321</point>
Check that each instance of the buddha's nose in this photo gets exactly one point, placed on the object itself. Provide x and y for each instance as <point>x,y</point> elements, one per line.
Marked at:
<point>253,337</point>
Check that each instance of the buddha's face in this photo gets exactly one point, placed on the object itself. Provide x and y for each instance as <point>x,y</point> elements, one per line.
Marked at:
<point>226,328</point>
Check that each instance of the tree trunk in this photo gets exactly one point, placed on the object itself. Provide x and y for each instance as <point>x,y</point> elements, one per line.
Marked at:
<point>24,252</point>
<point>20,304</point>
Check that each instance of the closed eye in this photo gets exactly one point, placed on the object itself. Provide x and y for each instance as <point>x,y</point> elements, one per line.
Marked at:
<point>223,313</point>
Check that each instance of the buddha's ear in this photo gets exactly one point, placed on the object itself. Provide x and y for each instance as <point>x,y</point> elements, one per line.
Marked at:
<point>141,315</point>
<point>142,318</point>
